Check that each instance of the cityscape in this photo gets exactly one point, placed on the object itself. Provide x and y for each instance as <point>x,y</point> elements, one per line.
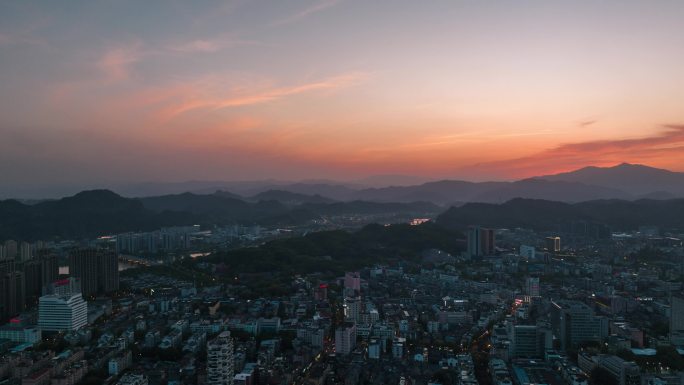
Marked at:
<point>341,192</point>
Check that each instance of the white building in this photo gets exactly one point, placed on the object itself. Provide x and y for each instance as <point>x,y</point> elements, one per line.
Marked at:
<point>352,308</point>
<point>220,369</point>
<point>62,312</point>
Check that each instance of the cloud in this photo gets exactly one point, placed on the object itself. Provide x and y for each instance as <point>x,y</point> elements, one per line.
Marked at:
<point>587,123</point>
<point>116,62</point>
<point>303,14</point>
<point>199,46</point>
<point>263,96</point>
<point>209,45</point>
<point>663,147</point>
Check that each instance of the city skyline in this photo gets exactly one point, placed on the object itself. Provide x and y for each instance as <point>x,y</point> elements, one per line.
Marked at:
<point>98,94</point>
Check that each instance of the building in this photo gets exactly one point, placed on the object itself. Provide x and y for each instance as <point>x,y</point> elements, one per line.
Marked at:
<point>98,271</point>
<point>398,347</point>
<point>552,244</point>
<point>531,341</point>
<point>625,372</point>
<point>374,349</point>
<point>220,369</point>
<point>574,323</point>
<point>62,312</point>
<point>132,379</point>
<point>528,252</point>
<point>352,309</point>
<point>12,292</point>
<point>345,338</point>
<point>352,283</point>
<point>25,251</point>
<point>20,333</point>
<point>321,292</point>
<point>39,272</point>
<point>532,287</point>
<point>10,249</point>
<point>64,287</point>
<point>677,320</point>
<point>120,363</point>
<point>481,241</point>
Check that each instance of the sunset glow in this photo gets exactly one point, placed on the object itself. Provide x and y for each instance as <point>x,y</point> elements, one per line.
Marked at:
<point>95,94</point>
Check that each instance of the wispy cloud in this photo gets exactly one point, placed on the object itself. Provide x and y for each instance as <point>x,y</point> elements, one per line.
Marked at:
<point>303,14</point>
<point>116,62</point>
<point>265,95</point>
<point>209,45</point>
<point>199,46</point>
<point>669,140</point>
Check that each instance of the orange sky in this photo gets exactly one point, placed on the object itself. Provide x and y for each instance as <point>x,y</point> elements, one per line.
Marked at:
<point>336,89</point>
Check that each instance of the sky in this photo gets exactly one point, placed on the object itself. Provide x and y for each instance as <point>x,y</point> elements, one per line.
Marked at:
<point>98,93</point>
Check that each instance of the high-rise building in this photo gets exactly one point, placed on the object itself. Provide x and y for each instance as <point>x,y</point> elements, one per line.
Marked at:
<point>62,312</point>
<point>49,268</point>
<point>39,272</point>
<point>12,293</point>
<point>575,322</point>
<point>553,244</point>
<point>98,271</point>
<point>33,280</point>
<point>345,338</point>
<point>481,241</point>
<point>321,292</point>
<point>677,320</point>
<point>352,283</point>
<point>532,287</point>
<point>352,308</point>
<point>531,341</point>
<point>220,369</point>
<point>528,252</point>
<point>25,251</point>
<point>11,249</point>
<point>374,349</point>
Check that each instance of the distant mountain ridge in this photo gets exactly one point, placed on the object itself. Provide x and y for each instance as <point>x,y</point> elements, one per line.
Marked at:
<point>624,181</point>
<point>289,198</point>
<point>634,178</point>
<point>98,212</point>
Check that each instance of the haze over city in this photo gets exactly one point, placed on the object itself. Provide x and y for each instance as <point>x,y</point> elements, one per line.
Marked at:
<point>99,94</point>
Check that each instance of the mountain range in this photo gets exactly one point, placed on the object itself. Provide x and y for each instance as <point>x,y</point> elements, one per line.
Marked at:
<point>97,212</point>
<point>624,181</point>
<point>622,197</point>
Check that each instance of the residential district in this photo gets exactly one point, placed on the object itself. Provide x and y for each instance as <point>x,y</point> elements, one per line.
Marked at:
<point>517,307</point>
